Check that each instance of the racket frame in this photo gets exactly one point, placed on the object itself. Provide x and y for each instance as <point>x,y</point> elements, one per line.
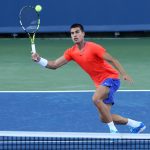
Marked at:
<point>30,35</point>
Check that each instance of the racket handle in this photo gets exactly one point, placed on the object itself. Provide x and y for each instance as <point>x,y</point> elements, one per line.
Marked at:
<point>33,48</point>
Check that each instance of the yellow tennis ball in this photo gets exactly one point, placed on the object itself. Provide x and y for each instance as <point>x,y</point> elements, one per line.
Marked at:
<point>38,8</point>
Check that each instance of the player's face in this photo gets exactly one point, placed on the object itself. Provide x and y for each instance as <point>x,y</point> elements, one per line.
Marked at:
<point>77,35</point>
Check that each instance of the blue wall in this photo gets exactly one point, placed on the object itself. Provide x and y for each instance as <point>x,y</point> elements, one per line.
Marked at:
<point>95,15</point>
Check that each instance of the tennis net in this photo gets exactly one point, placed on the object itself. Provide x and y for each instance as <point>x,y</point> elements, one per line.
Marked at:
<point>11,140</point>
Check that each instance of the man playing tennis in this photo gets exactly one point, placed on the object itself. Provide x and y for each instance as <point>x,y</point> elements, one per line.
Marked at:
<point>97,62</point>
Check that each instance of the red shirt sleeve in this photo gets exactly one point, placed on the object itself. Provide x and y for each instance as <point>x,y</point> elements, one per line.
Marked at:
<point>67,54</point>
<point>99,50</point>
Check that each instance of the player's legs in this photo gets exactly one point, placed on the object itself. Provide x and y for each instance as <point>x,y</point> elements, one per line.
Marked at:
<point>103,99</point>
<point>100,94</point>
<point>134,126</point>
<point>117,119</point>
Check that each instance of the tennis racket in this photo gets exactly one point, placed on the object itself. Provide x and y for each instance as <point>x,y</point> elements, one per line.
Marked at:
<point>30,23</point>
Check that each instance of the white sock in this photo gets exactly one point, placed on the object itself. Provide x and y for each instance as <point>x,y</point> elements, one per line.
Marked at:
<point>112,126</point>
<point>133,123</point>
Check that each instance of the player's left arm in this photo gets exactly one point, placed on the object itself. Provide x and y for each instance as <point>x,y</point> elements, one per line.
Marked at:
<point>117,65</point>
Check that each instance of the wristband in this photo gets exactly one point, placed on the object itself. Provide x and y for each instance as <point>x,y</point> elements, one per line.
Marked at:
<point>43,62</point>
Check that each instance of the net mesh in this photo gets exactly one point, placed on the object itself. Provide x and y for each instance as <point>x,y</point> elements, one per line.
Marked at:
<point>72,141</point>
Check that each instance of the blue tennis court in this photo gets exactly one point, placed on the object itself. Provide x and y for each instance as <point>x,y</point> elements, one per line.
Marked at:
<point>71,111</point>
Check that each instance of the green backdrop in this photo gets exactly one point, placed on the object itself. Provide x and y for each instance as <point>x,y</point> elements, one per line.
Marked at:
<point>19,73</point>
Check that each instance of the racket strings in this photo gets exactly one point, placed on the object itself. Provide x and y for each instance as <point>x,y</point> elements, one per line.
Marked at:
<point>29,19</point>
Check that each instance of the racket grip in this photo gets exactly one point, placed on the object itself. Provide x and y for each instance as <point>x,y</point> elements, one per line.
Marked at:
<point>33,48</point>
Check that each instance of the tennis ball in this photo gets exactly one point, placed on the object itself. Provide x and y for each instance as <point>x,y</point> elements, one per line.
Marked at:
<point>38,8</point>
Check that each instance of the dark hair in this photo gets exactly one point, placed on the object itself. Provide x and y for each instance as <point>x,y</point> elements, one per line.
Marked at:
<point>75,25</point>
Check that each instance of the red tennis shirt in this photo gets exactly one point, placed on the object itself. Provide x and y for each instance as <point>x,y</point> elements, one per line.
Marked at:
<point>90,59</point>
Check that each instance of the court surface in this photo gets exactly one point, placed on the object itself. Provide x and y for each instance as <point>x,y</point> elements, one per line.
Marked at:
<point>70,111</point>
<point>67,111</point>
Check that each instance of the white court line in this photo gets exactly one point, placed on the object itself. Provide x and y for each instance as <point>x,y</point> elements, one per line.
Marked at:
<point>73,135</point>
<point>69,91</point>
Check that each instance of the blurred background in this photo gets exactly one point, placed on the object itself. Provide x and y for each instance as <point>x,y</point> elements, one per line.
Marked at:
<point>122,27</point>
<point>97,16</point>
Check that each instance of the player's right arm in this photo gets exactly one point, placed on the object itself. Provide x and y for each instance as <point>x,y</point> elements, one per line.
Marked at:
<point>57,63</point>
<point>50,64</point>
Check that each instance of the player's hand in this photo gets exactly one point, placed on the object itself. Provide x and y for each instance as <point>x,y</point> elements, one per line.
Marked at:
<point>127,78</point>
<point>35,57</point>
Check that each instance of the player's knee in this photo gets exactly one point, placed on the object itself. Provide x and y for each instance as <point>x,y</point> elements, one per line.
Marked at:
<point>96,100</point>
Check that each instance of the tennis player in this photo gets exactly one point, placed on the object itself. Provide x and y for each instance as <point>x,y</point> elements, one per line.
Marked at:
<point>103,69</point>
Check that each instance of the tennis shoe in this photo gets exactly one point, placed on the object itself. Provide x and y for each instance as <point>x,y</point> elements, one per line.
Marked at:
<point>138,129</point>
